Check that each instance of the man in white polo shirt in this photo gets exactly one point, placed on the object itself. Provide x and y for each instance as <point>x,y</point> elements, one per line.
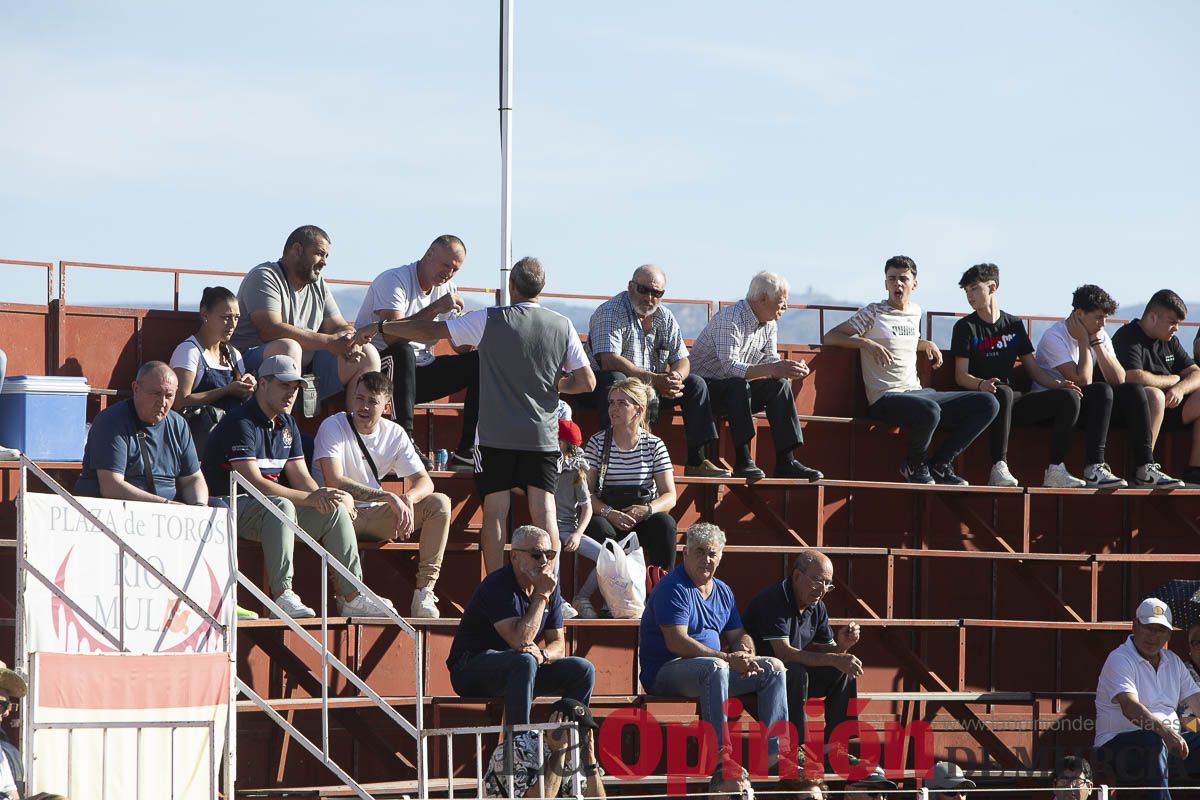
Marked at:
<point>1138,737</point>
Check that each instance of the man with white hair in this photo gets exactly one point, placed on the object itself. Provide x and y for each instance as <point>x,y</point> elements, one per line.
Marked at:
<point>510,641</point>
<point>690,619</point>
<point>1138,736</point>
<point>737,354</point>
<point>634,335</point>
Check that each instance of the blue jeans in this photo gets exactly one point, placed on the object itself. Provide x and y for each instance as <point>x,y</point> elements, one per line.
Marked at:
<point>1140,758</point>
<point>518,679</point>
<point>965,415</point>
<point>713,682</point>
<point>324,367</point>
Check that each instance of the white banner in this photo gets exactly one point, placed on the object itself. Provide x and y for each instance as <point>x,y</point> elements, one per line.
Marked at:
<point>187,544</point>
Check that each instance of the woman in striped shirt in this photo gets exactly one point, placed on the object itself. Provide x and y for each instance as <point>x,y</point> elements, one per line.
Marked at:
<point>636,459</point>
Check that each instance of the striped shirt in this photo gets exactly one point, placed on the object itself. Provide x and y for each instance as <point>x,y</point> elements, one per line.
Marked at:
<point>615,328</point>
<point>636,467</point>
<point>732,342</point>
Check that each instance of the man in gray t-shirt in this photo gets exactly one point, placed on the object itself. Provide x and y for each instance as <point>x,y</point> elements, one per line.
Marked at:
<point>524,351</point>
<point>287,309</point>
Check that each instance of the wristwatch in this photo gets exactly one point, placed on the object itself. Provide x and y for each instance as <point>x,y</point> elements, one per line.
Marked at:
<point>545,655</point>
<point>604,511</point>
<point>381,327</point>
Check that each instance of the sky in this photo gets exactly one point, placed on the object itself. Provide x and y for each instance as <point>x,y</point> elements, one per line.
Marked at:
<point>714,139</point>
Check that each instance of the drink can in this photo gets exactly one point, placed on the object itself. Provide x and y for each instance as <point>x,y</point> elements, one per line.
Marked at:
<point>440,459</point>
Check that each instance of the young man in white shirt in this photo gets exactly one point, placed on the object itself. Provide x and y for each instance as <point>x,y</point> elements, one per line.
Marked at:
<point>353,451</point>
<point>889,335</point>
<point>1076,348</point>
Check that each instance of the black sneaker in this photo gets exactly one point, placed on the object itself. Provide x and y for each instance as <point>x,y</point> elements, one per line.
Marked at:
<point>916,474</point>
<point>944,474</point>
<point>795,470</point>
<point>1191,477</point>
<point>749,471</point>
<point>463,461</point>
<point>426,461</point>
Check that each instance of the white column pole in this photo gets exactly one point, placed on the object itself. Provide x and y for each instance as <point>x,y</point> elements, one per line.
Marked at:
<point>506,41</point>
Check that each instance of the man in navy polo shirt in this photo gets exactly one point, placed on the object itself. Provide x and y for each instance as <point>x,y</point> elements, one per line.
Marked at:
<point>510,641</point>
<point>259,439</point>
<point>139,436</point>
<point>789,620</point>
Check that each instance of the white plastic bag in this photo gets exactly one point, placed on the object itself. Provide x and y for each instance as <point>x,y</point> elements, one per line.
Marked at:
<point>621,573</point>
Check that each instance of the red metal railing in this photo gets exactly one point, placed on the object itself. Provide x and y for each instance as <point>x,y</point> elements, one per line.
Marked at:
<point>46,265</point>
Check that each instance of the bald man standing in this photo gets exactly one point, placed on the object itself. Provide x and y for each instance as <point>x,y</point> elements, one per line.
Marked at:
<point>634,336</point>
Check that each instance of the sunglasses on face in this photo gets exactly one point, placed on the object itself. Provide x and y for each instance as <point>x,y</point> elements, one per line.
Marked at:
<point>539,555</point>
<point>655,293</point>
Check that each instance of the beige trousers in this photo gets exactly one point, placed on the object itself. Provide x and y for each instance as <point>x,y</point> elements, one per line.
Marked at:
<point>431,523</point>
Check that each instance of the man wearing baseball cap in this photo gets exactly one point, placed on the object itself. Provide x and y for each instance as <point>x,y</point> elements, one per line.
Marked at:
<point>1138,737</point>
<point>874,785</point>
<point>948,780</point>
<point>260,440</point>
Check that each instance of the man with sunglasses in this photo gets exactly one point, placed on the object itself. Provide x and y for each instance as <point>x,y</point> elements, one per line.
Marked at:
<point>510,641</point>
<point>789,621</point>
<point>634,336</point>
<point>737,354</point>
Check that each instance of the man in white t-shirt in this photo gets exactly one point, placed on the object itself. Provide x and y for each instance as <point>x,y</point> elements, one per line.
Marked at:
<point>1080,349</point>
<point>1138,737</point>
<point>353,451</point>
<point>888,334</point>
<point>423,291</point>
<point>528,356</point>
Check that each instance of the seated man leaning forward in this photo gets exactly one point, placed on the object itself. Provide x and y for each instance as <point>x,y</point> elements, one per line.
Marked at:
<point>789,620</point>
<point>287,309</point>
<point>634,335</point>
<point>889,335</point>
<point>1153,356</point>
<point>737,354</point>
<point>139,449</point>
<point>259,440</point>
<point>690,616</point>
<point>354,451</point>
<point>424,291</point>
<point>510,642</point>
<point>1138,736</point>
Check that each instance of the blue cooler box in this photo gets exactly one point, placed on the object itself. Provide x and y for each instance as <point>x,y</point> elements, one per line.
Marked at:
<point>44,416</point>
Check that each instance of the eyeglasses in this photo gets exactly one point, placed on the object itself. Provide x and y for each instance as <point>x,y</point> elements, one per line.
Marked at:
<point>644,290</point>
<point>825,585</point>
<point>1072,783</point>
<point>538,555</point>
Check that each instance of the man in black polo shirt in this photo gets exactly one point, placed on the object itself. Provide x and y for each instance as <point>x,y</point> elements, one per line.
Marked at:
<point>510,642</point>
<point>259,439</point>
<point>789,621</point>
<point>1152,355</point>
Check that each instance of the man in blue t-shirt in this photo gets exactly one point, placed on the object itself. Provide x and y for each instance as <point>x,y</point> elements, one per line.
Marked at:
<point>789,620</point>
<point>260,441</point>
<point>142,435</point>
<point>690,616</point>
<point>510,641</point>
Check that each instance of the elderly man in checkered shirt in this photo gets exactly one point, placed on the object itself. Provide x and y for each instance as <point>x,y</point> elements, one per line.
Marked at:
<point>737,355</point>
<point>634,336</point>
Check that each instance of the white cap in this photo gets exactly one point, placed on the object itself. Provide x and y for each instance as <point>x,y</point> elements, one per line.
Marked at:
<point>1153,611</point>
<point>282,368</point>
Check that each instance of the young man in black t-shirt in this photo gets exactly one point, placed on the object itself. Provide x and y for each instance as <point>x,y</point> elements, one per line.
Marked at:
<point>986,345</point>
<point>1153,356</point>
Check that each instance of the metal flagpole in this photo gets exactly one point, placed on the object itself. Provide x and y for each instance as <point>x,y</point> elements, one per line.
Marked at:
<point>506,40</point>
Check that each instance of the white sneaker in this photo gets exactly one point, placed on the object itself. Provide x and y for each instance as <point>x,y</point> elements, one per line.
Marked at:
<point>1151,476</point>
<point>1099,476</point>
<point>293,606</point>
<point>424,604</point>
<point>1001,476</point>
<point>568,610</point>
<point>1057,477</point>
<point>363,606</point>
<point>9,454</point>
<point>585,608</point>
